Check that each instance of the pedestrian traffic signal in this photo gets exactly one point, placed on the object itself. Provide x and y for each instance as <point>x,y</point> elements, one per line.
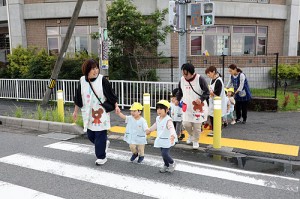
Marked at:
<point>208,13</point>
<point>173,13</point>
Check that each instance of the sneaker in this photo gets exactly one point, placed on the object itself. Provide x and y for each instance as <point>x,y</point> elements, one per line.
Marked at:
<point>195,145</point>
<point>101,161</point>
<point>244,122</point>
<point>189,140</point>
<point>171,167</point>
<point>238,121</point>
<point>163,169</point>
<point>141,158</point>
<point>225,124</point>
<point>107,145</point>
<point>133,157</point>
<point>211,134</point>
<point>233,122</point>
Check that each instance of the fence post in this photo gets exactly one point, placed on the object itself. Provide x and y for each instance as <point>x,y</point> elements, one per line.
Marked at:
<point>276,74</point>
<point>223,65</point>
<point>17,89</point>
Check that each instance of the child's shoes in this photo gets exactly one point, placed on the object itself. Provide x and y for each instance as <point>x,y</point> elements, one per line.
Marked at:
<point>141,158</point>
<point>133,157</point>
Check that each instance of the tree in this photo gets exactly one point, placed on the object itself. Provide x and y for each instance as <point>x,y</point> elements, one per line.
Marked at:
<point>133,36</point>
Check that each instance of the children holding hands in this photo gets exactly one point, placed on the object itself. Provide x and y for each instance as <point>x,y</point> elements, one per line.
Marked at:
<point>135,134</point>
<point>166,135</point>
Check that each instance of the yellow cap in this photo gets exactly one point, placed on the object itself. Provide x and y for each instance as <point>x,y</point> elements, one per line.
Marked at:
<point>164,102</point>
<point>230,90</point>
<point>136,107</point>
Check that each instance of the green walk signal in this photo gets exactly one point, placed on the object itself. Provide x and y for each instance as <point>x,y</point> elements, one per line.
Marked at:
<point>208,20</point>
<point>208,13</point>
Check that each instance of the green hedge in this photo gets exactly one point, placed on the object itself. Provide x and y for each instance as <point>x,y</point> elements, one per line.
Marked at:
<point>31,63</point>
<point>286,71</point>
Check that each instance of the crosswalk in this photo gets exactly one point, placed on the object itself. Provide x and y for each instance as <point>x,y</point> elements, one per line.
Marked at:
<point>142,185</point>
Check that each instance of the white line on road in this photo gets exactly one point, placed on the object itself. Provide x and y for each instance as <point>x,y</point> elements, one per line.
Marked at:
<point>118,181</point>
<point>8,190</point>
<point>254,178</point>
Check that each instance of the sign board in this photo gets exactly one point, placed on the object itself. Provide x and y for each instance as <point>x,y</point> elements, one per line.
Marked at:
<point>196,15</point>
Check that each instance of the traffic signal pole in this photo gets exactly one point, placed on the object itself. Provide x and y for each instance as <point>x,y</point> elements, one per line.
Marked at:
<point>182,36</point>
<point>103,40</point>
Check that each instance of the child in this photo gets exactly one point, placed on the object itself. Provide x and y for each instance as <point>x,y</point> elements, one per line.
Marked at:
<point>176,115</point>
<point>135,134</point>
<point>166,135</point>
<point>225,117</point>
<point>230,92</point>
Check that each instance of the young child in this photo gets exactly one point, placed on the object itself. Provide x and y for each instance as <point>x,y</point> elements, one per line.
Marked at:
<point>230,92</point>
<point>176,115</point>
<point>135,134</point>
<point>225,117</point>
<point>166,135</point>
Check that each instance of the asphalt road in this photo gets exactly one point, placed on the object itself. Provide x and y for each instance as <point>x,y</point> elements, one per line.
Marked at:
<point>66,169</point>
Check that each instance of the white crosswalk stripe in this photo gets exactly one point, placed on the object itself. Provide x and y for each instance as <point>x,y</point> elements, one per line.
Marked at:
<point>254,178</point>
<point>8,190</point>
<point>122,182</point>
<point>133,184</point>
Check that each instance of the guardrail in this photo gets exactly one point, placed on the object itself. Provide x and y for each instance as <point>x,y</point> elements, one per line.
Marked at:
<point>127,91</point>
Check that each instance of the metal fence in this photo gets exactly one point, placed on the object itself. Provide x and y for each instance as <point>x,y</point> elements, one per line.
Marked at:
<point>127,91</point>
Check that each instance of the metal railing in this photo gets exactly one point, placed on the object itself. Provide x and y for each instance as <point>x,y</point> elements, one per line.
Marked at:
<point>127,91</point>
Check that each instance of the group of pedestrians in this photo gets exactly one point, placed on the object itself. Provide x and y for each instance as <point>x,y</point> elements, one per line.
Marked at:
<point>191,105</point>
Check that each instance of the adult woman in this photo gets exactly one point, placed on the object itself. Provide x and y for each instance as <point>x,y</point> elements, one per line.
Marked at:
<point>216,88</point>
<point>92,91</point>
<point>242,94</point>
<point>193,91</point>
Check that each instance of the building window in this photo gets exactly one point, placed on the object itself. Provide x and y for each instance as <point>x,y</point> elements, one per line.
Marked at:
<point>196,44</point>
<point>80,40</point>
<point>4,41</point>
<point>235,40</point>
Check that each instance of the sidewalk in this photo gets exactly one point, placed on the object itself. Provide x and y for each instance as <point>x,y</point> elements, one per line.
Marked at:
<point>280,128</point>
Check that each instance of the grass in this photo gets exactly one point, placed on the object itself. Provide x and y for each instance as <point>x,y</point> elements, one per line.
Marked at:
<point>284,104</point>
<point>47,115</point>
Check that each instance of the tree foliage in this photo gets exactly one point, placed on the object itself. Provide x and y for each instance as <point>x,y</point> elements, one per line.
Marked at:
<point>133,36</point>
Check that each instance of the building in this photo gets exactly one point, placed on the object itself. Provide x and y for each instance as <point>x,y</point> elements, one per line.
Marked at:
<point>251,27</point>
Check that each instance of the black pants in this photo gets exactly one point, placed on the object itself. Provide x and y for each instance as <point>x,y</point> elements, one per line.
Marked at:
<point>165,153</point>
<point>241,109</point>
<point>99,138</point>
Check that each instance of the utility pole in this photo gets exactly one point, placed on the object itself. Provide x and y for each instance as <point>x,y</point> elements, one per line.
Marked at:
<point>62,51</point>
<point>182,35</point>
<point>103,39</point>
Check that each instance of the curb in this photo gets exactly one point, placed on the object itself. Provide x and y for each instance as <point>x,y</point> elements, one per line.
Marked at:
<point>41,125</point>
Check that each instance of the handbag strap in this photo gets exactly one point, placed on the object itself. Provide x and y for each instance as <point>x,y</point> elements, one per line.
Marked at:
<point>95,92</point>
<point>194,90</point>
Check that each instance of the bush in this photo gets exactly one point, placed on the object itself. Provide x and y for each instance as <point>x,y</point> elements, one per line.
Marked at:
<point>286,71</point>
<point>29,63</point>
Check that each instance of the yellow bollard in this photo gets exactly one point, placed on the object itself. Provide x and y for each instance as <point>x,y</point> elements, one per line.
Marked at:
<point>60,106</point>
<point>217,122</point>
<point>146,101</point>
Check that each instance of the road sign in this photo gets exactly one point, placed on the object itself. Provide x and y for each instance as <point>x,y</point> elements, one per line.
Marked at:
<point>196,15</point>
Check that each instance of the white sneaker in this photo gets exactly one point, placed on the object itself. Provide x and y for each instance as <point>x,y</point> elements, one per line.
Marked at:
<point>107,145</point>
<point>101,161</point>
<point>195,145</point>
<point>171,167</point>
<point>233,122</point>
<point>164,169</point>
<point>189,140</point>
